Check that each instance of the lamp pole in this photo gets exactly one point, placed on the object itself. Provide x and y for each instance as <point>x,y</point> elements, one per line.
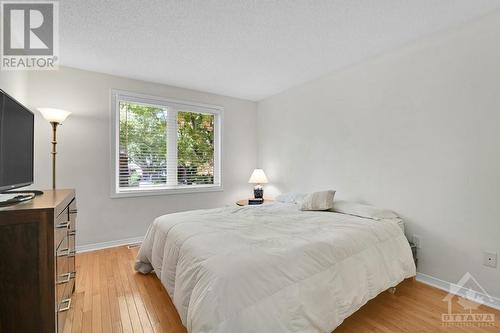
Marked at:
<point>54,152</point>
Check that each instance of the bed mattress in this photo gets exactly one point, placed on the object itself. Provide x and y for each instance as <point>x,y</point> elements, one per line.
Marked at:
<point>272,268</point>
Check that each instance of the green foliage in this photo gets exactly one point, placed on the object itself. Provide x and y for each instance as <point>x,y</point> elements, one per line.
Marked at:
<point>135,178</point>
<point>195,148</point>
<point>143,146</point>
<point>143,140</point>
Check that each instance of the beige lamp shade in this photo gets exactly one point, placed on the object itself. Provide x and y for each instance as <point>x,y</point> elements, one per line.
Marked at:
<point>258,177</point>
<point>54,115</point>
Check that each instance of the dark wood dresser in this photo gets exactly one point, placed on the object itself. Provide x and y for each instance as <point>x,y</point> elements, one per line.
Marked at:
<point>37,263</point>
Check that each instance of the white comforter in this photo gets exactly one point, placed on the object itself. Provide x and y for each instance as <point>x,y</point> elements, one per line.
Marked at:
<point>272,268</point>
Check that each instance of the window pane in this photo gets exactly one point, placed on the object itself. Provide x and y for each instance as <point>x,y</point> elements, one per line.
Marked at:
<point>195,148</point>
<point>143,145</point>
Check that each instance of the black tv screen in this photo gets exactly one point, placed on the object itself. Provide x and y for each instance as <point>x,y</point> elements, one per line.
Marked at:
<point>16,144</point>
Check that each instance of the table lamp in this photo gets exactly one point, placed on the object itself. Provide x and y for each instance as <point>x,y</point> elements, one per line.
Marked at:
<point>258,178</point>
<point>55,117</point>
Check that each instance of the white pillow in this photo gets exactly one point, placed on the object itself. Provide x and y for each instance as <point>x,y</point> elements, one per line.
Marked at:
<point>361,210</point>
<point>318,201</point>
<point>290,197</point>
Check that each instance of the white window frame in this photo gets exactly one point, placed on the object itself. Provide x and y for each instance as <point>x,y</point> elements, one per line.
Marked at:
<point>173,106</point>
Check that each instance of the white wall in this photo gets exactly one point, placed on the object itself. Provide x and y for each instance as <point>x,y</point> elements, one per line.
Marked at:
<point>14,83</point>
<point>415,130</point>
<point>84,151</point>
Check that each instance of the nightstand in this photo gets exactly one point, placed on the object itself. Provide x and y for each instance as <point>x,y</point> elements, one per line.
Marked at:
<point>244,202</point>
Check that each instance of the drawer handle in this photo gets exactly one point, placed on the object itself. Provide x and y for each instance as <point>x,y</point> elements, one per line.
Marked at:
<point>63,253</point>
<point>72,233</point>
<point>73,211</point>
<point>67,307</point>
<point>63,225</point>
<point>66,253</point>
<point>64,278</point>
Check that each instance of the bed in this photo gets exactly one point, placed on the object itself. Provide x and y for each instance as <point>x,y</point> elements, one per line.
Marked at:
<point>272,268</point>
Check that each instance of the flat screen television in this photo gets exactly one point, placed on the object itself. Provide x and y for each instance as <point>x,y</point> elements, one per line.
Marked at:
<point>16,144</point>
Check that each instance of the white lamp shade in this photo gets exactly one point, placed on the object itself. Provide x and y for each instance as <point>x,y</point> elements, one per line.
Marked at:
<point>54,115</point>
<point>258,177</point>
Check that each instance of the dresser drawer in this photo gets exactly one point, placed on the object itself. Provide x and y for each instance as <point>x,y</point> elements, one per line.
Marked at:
<point>59,234</point>
<point>61,319</point>
<point>65,277</point>
<point>62,256</point>
<point>60,289</point>
<point>62,268</point>
<point>64,287</point>
<point>63,217</point>
<point>72,211</point>
<point>62,313</point>
<point>71,256</point>
<point>72,223</point>
<point>64,305</point>
<point>61,226</point>
<point>62,253</point>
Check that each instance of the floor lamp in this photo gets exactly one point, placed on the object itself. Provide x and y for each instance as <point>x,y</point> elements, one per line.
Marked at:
<point>55,117</point>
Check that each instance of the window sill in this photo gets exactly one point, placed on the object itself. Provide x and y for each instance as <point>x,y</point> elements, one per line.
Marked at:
<point>165,191</point>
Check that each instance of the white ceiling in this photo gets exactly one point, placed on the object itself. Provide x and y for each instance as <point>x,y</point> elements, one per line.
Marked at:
<point>245,48</point>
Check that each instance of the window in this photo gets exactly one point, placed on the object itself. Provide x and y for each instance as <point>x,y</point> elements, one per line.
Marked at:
<point>164,146</point>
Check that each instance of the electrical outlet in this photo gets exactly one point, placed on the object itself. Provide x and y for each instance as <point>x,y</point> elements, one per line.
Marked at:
<point>416,241</point>
<point>490,259</point>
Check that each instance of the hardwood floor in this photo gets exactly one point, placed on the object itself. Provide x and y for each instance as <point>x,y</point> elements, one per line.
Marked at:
<point>111,297</point>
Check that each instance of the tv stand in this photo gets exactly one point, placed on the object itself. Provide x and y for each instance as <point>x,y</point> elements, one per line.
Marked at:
<point>35,192</point>
<point>37,279</point>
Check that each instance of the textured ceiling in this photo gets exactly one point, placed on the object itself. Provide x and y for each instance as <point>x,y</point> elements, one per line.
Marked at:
<point>245,48</point>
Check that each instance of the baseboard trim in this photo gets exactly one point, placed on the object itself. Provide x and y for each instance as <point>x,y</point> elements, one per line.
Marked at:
<point>449,287</point>
<point>106,245</point>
